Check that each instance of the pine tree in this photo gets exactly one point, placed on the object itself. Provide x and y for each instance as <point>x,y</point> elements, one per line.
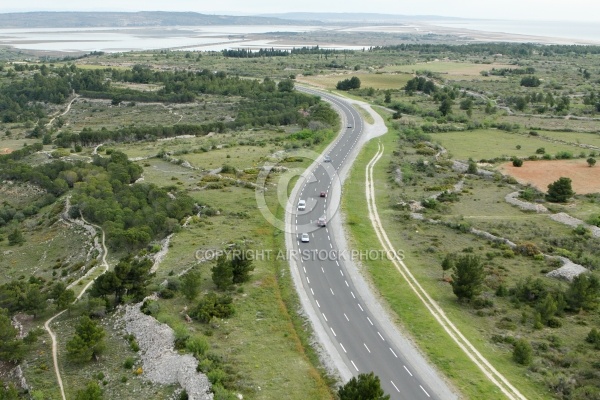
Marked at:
<point>467,277</point>
<point>560,191</point>
<point>363,387</point>
<point>241,267</point>
<point>190,284</point>
<point>87,342</point>
<point>222,273</point>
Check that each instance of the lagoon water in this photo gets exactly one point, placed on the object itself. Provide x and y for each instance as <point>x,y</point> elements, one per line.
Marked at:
<point>578,31</point>
<point>125,39</point>
<point>216,38</point>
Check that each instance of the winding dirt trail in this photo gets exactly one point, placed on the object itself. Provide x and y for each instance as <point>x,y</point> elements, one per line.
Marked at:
<point>434,309</point>
<point>64,112</point>
<point>104,265</point>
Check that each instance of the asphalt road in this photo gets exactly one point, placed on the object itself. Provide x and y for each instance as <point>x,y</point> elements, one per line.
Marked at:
<point>353,328</point>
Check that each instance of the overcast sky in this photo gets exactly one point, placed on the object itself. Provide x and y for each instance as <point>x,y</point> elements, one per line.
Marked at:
<point>560,10</point>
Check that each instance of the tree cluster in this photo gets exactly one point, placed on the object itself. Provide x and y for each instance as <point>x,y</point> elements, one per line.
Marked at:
<point>347,84</point>
<point>229,271</point>
<point>88,341</point>
<point>128,281</point>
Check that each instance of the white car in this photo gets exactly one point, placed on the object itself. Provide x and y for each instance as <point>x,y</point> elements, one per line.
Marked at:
<point>302,205</point>
<point>327,159</point>
<point>304,238</point>
<point>321,221</point>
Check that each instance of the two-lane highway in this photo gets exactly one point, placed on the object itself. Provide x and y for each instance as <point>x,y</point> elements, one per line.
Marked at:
<point>357,334</point>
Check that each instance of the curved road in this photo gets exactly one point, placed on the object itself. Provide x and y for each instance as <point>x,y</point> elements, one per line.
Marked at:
<point>356,335</point>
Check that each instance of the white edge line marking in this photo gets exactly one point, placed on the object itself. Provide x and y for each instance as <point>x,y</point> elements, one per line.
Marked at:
<point>356,368</point>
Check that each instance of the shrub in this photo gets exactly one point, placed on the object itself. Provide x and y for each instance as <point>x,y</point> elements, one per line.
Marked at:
<point>554,322</point>
<point>166,293</point>
<point>517,162</point>
<point>523,353</point>
<point>593,337</point>
<point>213,305</point>
<point>563,155</point>
<point>129,362</point>
<point>527,249</point>
<point>197,346</point>
<point>150,307</point>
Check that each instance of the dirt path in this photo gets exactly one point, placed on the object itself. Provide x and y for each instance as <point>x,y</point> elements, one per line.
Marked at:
<point>434,309</point>
<point>104,265</point>
<point>64,112</point>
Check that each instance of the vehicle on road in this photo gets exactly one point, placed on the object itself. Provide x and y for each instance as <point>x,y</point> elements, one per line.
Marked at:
<point>322,221</point>
<point>302,205</point>
<point>327,159</point>
<point>323,194</point>
<point>304,238</point>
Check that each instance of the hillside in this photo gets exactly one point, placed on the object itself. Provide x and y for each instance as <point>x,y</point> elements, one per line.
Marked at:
<point>128,19</point>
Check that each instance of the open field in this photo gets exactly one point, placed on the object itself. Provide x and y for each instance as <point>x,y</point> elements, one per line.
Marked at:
<point>541,173</point>
<point>97,114</point>
<point>492,143</point>
<point>452,70</point>
<point>574,137</point>
<point>376,81</point>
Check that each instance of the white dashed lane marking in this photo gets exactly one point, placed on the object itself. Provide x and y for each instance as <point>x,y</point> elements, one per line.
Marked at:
<point>423,389</point>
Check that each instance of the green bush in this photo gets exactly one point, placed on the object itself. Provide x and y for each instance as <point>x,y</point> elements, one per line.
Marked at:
<point>213,305</point>
<point>197,346</point>
<point>523,353</point>
<point>129,362</point>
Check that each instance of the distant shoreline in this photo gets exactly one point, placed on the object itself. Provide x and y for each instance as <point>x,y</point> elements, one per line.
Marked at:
<point>72,41</point>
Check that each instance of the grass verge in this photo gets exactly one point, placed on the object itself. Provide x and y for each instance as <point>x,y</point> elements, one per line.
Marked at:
<point>408,309</point>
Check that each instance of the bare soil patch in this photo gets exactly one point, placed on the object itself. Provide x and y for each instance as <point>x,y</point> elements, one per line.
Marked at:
<point>542,173</point>
<point>5,150</point>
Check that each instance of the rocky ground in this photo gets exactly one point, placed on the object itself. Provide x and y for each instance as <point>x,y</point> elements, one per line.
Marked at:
<point>160,362</point>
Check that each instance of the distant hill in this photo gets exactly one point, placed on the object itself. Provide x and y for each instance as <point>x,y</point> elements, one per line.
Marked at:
<point>129,19</point>
<point>356,17</point>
